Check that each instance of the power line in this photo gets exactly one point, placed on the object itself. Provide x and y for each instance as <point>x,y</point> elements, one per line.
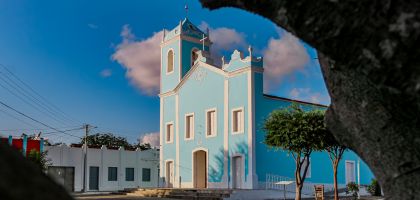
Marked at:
<point>45,102</point>
<point>33,103</point>
<point>29,103</point>
<point>12,116</point>
<point>74,129</point>
<point>35,129</point>
<point>39,122</point>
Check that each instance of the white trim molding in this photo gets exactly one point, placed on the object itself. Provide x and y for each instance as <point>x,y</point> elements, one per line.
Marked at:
<point>240,122</point>
<point>214,128</point>
<point>171,134</point>
<point>252,178</point>
<point>226,133</point>
<point>192,124</point>
<point>177,140</point>
<point>161,141</point>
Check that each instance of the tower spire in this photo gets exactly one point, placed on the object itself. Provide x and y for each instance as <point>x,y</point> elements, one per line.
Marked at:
<point>186,10</point>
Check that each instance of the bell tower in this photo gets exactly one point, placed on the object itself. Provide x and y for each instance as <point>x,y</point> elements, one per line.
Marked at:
<point>179,49</point>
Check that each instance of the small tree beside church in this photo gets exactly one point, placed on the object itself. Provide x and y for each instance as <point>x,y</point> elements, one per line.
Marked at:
<point>335,152</point>
<point>298,132</point>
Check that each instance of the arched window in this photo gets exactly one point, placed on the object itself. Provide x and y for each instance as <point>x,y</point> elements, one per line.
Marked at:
<point>194,55</point>
<point>170,61</point>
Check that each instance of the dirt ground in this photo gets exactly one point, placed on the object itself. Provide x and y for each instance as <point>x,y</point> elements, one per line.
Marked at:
<point>117,197</point>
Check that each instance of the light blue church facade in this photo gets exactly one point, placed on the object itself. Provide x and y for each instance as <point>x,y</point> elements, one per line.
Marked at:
<point>211,120</point>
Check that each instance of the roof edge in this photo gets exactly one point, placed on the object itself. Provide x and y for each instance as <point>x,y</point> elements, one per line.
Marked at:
<point>294,100</point>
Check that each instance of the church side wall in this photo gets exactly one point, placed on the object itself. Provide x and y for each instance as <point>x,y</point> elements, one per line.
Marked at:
<point>270,161</point>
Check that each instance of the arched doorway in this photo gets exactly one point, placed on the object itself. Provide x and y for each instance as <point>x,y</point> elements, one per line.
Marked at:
<point>200,169</point>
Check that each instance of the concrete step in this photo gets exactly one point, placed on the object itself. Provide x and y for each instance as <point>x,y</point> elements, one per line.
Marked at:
<point>204,194</point>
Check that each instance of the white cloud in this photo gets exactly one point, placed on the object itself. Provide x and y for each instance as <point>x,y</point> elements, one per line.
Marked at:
<point>306,94</point>
<point>282,57</point>
<point>151,138</point>
<point>106,73</point>
<point>224,39</point>
<point>93,26</point>
<point>141,59</point>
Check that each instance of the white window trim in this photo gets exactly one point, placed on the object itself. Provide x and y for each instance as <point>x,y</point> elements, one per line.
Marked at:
<point>172,133</point>
<point>215,123</point>
<point>193,126</point>
<point>241,129</point>
<point>173,57</point>
<point>354,171</point>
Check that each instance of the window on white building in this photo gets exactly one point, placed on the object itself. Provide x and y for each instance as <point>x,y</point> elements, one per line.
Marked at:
<point>189,126</point>
<point>129,174</point>
<point>169,132</point>
<point>145,175</point>
<point>238,120</point>
<point>112,173</point>
<point>211,123</point>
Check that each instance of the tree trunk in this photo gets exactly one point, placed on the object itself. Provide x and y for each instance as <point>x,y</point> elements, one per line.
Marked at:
<point>335,181</point>
<point>298,192</point>
<point>370,60</point>
<point>298,179</point>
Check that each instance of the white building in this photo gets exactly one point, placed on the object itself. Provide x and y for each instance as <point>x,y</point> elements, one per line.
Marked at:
<point>107,169</point>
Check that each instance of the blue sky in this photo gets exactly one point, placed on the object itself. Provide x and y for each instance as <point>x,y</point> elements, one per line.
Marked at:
<point>64,50</point>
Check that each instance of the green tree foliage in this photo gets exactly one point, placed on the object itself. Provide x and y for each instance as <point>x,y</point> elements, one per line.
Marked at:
<point>107,139</point>
<point>110,140</point>
<point>353,189</point>
<point>39,159</point>
<point>374,188</point>
<point>143,147</point>
<point>299,133</point>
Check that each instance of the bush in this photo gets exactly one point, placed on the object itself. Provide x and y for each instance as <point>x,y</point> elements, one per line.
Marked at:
<point>39,159</point>
<point>374,188</point>
<point>352,188</point>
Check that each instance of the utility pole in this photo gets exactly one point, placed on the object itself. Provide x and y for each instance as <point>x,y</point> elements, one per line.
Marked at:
<point>85,147</point>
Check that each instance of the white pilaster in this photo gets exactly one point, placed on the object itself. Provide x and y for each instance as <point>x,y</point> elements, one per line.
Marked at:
<point>226,133</point>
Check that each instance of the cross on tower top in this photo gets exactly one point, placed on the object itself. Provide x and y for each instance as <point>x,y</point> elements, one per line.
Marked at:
<point>186,10</point>
<point>203,40</point>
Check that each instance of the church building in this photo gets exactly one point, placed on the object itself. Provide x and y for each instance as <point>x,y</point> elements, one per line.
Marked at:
<point>211,120</point>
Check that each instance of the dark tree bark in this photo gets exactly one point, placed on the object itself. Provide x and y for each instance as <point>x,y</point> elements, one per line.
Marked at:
<point>370,57</point>
<point>20,178</point>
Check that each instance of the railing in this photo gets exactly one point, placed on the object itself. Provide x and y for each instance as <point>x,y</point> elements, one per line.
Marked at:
<point>272,179</point>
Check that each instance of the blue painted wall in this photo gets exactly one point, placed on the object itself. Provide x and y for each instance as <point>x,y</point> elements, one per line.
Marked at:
<point>280,163</point>
<point>198,103</point>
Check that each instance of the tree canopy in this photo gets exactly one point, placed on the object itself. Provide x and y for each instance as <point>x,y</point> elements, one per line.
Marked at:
<point>109,139</point>
<point>294,130</point>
